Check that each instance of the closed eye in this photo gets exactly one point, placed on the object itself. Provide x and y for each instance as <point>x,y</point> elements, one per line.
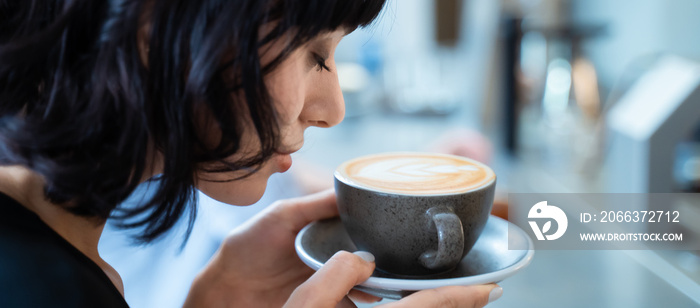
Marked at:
<point>320,62</point>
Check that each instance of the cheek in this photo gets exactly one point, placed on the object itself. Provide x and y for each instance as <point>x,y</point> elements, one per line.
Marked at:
<point>287,87</point>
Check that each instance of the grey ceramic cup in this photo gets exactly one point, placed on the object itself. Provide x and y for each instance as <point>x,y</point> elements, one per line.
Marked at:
<point>414,235</point>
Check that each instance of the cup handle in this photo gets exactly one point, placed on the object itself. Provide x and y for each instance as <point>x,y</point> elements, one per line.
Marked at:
<point>450,240</point>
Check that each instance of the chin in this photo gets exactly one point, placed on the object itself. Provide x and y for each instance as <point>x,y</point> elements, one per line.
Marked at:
<point>242,192</point>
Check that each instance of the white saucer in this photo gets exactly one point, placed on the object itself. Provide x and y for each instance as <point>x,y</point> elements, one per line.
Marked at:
<point>488,261</point>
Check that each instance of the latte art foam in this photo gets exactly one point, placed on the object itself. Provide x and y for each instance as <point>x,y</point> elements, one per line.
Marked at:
<point>415,173</point>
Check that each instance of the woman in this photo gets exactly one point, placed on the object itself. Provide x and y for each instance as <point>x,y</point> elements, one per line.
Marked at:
<point>97,97</point>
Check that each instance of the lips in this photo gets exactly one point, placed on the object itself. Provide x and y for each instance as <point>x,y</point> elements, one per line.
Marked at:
<point>286,152</point>
<point>284,158</point>
<point>289,150</point>
<point>284,162</point>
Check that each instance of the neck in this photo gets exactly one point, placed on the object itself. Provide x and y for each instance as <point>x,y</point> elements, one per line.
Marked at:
<point>83,233</point>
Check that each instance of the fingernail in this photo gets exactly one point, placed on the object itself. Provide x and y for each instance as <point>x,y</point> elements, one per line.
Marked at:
<point>367,256</point>
<point>495,294</point>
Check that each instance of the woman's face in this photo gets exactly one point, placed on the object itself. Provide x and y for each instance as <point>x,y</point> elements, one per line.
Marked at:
<point>305,91</point>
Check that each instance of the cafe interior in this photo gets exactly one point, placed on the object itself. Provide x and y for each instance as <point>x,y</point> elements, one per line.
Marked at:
<point>556,96</point>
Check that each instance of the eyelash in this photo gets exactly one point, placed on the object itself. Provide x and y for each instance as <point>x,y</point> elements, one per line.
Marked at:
<point>321,62</point>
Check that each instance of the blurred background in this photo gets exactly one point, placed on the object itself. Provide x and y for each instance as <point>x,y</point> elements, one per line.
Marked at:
<point>555,95</point>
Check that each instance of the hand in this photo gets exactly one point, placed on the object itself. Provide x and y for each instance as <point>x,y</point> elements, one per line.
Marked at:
<point>319,291</point>
<point>257,265</point>
<point>450,297</point>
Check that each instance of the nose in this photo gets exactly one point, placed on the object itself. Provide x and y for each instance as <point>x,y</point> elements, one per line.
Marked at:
<point>324,105</point>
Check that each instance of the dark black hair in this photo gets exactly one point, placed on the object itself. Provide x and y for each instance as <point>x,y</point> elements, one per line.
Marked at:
<point>80,106</point>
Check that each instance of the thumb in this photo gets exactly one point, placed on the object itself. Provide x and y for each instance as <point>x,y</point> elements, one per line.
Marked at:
<point>332,282</point>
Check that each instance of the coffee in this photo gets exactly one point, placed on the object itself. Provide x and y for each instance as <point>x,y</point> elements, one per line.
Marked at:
<point>418,213</point>
<point>415,173</point>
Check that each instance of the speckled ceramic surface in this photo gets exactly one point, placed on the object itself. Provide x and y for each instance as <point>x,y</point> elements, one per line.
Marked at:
<point>400,230</point>
<point>488,261</point>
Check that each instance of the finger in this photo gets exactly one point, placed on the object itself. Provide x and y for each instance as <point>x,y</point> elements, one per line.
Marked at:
<point>451,297</point>
<point>362,297</point>
<point>301,211</point>
<point>332,282</point>
<point>345,303</point>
